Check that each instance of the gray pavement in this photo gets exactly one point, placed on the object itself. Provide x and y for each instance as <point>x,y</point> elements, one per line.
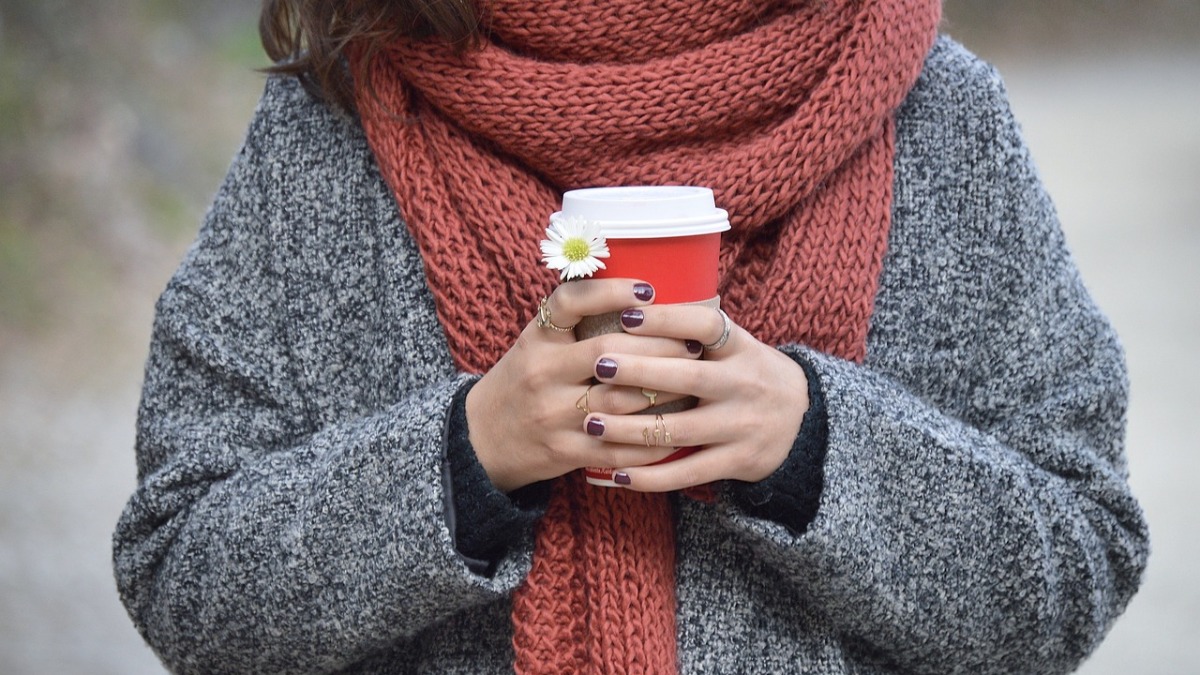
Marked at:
<point>1118,141</point>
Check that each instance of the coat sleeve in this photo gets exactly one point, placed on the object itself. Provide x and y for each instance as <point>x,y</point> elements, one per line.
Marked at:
<point>975,515</point>
<point>267,533</point>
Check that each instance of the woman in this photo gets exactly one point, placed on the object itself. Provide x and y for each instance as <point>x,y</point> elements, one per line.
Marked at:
<point>364,412</point>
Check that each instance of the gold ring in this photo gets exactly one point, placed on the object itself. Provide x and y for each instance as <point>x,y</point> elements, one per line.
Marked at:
<point>726,329</point>
<point>543,318</point>
<point>583,403</point>
<point>660,435</point>
<point>650,394</point>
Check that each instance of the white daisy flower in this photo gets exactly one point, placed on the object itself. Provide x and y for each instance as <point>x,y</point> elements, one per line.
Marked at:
<point>575,247</point>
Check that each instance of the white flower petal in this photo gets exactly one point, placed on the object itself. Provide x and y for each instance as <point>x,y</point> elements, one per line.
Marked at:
<point>574,231</point>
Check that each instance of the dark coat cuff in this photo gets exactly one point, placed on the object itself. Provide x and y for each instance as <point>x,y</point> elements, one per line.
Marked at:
<point>481,519</point>
<point>791,495</point>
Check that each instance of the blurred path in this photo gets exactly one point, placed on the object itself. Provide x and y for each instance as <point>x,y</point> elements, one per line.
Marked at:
<point>65,470</point>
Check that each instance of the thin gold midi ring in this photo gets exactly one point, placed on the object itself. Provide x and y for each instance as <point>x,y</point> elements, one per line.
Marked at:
<point>583,403</point>
<point>543,318</point>
<point>660,435</point>
<point>726,329</point>
<point>650,394</point>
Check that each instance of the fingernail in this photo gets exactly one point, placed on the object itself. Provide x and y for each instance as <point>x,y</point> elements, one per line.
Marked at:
<point>595,427</point>
<point>643,292</point>
<point>693,346</point>
<point>632,318</point>
<point>622,478</point>
<point>606,369</point>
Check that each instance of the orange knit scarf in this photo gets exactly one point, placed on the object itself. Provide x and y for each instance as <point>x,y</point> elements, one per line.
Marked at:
<point>783,108</point>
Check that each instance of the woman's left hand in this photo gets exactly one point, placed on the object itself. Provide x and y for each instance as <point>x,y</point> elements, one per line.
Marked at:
<point>752,399</point>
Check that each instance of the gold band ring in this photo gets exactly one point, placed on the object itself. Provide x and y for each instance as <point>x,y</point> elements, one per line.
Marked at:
<point>650,394</point>
<point>543,318</point>
<point>726,329</point>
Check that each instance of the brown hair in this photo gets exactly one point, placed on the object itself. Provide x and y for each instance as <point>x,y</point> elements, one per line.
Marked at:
<point>309,38</point>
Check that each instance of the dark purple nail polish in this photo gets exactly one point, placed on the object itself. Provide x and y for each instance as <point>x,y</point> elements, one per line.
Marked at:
<point>622,478</point>
<point>643,292</point>
<point>693,346</point>
<point>606,369</point>
<point>632,318</point>
<point>595,427</point>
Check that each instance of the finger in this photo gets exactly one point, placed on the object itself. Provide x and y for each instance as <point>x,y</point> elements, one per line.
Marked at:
<point>609,455</point>
<point>712,329</point>
<point>644,345</point>
<point>701,378</point>
<point>578,450</point>
<point>683,429</point>
<point>679,321</point>
<point>575,362</point>
<point>707,465</point>
<point>572,301</point>
<point>616,400</point>
<point>681,325</point>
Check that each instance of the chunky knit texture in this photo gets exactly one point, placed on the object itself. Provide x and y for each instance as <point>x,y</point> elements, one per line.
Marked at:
<point>765,102</point>
<point>290,509</point>
<point>785,112</point>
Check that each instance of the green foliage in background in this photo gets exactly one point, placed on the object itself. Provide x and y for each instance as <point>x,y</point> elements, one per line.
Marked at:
<point>116,122</point>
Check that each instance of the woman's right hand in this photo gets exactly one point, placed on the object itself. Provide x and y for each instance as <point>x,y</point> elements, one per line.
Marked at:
<point>522,415</point>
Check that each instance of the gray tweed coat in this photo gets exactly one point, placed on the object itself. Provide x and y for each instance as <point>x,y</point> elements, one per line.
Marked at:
<point>975,517</point>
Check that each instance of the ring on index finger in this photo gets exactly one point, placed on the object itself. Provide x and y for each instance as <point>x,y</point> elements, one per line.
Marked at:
<point>544,319</point>
<point>726,329</point>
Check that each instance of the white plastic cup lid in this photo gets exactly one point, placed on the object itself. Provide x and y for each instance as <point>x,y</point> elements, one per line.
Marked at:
<point>646,211</point>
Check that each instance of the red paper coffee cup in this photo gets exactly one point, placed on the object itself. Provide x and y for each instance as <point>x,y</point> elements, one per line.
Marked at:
<point>667,235</point>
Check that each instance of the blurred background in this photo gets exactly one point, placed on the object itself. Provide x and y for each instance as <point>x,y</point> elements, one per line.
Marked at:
<point>117,120</point>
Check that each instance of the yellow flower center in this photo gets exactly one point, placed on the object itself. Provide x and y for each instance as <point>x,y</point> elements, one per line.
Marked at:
<point>576,249</point>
